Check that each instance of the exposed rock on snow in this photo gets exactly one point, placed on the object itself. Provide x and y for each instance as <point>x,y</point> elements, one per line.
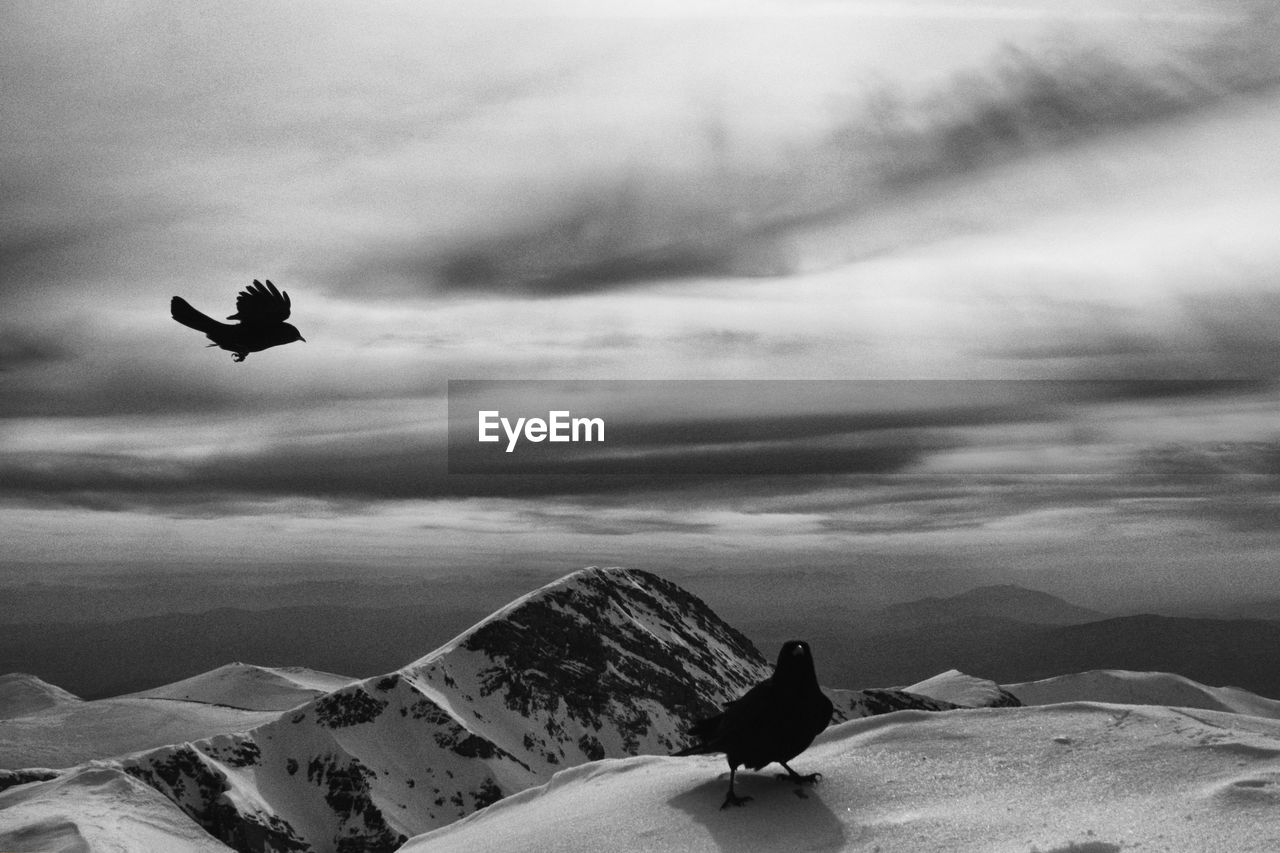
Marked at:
<point>97,808</point>
<point>854,704</point>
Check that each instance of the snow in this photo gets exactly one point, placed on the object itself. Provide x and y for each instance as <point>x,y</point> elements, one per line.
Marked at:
<point>1072,777</point>
<point>61,730</point>
<point>959,689</point>
<point>68,735</point>
<point>254,688</point>
<point>98,809</point>
<point>601,662</point>
<point>617,662</point>
<point>1143,688</point>
<point>22,694</point>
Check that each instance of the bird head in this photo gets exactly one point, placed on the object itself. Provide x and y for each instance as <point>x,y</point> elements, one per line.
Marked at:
<point>795,663</point>
<point>293,333</point>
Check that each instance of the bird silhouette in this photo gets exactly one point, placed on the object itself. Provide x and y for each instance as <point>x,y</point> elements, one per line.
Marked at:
<point>261,310</point>
<point>774,721</point>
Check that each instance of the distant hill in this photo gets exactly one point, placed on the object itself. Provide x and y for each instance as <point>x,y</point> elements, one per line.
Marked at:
<point>67,735</point>
<point>22,694</point>
<point>253,688</point>
<point>1004,601</point>
<point>1240,653</point>
<point>1143,688</point>
<point>1268,608</point>
<point>231,698</point>
<point>96,660</point>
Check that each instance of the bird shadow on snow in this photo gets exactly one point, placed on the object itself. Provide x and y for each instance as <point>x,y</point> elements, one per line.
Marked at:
<point>778,817</point>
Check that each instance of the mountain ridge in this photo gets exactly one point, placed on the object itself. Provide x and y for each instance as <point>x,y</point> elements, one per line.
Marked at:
<point>599,664</point>
<point>529,690</point>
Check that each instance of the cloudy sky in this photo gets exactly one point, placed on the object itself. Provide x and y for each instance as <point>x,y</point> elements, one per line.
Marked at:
<point>1052,193</point>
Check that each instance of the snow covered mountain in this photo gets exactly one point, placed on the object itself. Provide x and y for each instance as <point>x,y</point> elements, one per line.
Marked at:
<point>1143,688</point>
<point>71,734</point>
<point>597,666</point>
<point>1076,778</point>
<point>964,691</point>
<point>231,698</point>
<point>602,662</point>
<point>98,808</point>
<point>252,688</point>
<point>22,694</point>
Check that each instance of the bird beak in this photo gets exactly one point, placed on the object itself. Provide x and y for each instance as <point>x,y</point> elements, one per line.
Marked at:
<point>301,338</point>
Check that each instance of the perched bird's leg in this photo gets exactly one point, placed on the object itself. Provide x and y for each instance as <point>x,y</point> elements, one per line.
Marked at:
<point>811,779</point>
<point>732,799</point>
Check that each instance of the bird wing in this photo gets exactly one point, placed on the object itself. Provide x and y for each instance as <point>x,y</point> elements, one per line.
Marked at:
<point>761,706</point>
<point>261,304</point>
<point>757,710</point>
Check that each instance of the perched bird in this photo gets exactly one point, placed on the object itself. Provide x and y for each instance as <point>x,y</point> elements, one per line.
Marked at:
<point>774,721</point>
<point>261,310</point>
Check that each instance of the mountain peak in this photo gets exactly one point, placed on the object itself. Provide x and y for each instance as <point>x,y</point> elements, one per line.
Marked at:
<point>621,656</point>
<point>601,662</point>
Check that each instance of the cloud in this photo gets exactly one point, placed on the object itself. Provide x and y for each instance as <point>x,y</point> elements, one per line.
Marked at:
<point>716,213</point>
<point>22,348</point>
<point>346,457</point>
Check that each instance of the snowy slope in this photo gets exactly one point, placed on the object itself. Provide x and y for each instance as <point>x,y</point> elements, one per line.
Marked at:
<point>1089,778</point>
<point>22,694</point>
<point>965,691</point>
<point>97,809</point>
<point>70,734</point>
<point>253,688</point>
<point>1143,688</point>
<point>601,662</point>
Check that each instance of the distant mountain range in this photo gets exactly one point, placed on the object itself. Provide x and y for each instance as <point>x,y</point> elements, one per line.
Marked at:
<point>1241,653</point>
<point>1012,634</point>
<point>1002,631</point>
<point>99,659</point>
<point>1005,602</point>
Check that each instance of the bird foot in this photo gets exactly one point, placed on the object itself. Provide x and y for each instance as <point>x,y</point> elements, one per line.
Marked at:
<point>792,776</point>
<point>732,799</point>
<point>238,357</point>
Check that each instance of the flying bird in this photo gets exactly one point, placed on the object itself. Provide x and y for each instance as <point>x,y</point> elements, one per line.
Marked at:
<point>774,721</point>
<point>261,310</point>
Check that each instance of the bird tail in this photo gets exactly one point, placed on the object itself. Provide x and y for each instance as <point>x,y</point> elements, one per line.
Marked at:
<point>190,317</point>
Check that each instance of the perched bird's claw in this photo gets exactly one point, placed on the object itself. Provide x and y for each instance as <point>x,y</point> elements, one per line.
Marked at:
<point>792,776</point>
<point>732,799</point>
<point>237,357</point>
